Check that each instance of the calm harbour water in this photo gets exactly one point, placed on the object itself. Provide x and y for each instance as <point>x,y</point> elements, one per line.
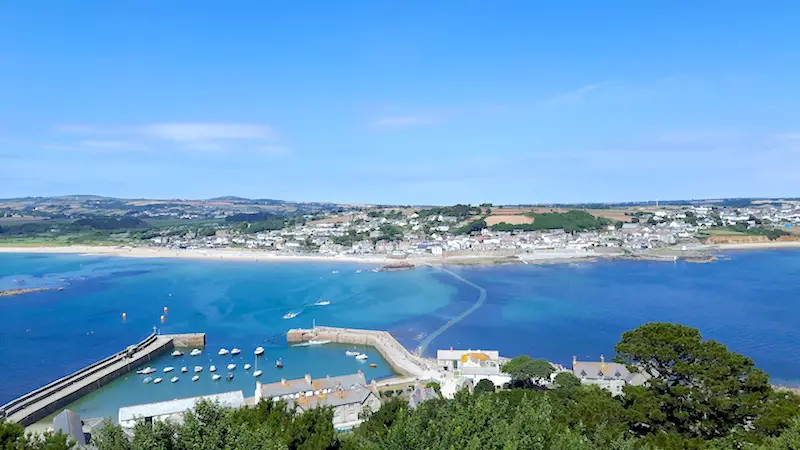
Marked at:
<point>749,303</point>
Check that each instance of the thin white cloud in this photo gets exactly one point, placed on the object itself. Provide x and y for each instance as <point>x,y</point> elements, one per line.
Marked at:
<point>574,96</point>
<point>187,136</point>
<point>189,132</point>
<point>272,149</point>
<point>395,122</point>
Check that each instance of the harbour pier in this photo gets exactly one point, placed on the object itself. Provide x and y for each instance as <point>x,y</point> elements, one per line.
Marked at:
<point>401,360</point>
<point>48,399</point>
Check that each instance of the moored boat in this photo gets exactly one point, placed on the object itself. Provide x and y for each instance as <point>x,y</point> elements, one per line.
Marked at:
<point>235,351</point>
<point>361,357</point>
<point>247,366</point>
<point>279,364</point>
<point>259,351</point>
<point>196,377</point>
<point>158,380</point>
<point>174,380</point>
<point>322,303</point>
<point>257,373</point>
<point>198,369</point>
<point>177,353</point>
<point>231,366</point>
<point>216,377</point>
<point>351,353</point>
<point>147,380</point>
<point>184,369</point>
<point>290,315</point>
<point>212,369</point>
<point>222,352</point>
<point>168,369</point>
<point>230,376</point>
<point>146,371</point>
<point>373,365</point>
<point>196,352</point>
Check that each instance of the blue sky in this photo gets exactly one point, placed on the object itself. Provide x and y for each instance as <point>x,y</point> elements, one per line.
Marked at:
<point>401,101</point>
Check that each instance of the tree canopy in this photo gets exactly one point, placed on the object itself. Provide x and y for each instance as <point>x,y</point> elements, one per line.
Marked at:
<point>698,388</point>
<point>525,368</point>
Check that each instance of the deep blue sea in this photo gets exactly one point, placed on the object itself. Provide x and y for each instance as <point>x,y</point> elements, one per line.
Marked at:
<point>750,302</point>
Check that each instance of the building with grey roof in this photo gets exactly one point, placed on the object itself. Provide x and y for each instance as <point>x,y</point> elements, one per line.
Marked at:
<point>348,395</point>
<point>70,423</point>
<point>174,409</point>
<point>610,376</point>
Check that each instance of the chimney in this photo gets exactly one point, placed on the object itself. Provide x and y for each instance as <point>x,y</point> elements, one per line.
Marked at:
<point>308,378</point>
<point>602,359</point>
<point>283,381</point>
<point>574,360</point>
<point>258,391</point>
<point>360,372</point>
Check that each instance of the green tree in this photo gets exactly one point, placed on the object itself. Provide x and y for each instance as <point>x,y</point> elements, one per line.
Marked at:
<point>526,368</point>
<point>483,387</point>
<point>697,388</point>
<point>566,380</point>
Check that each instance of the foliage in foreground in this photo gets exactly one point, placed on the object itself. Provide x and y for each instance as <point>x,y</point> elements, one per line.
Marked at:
<point>701,396</point>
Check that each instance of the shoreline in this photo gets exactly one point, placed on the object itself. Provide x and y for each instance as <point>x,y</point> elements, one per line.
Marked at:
<point>536,258</point>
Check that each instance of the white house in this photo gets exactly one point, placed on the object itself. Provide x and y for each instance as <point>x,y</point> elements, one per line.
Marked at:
<point>174,410</point>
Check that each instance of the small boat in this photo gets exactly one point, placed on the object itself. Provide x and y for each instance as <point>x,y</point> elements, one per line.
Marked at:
<point>373,365</point>
<point>146,371</point>
<point>361,357</point>
<point>177,353</point>
<point>196,377</point>
<point>322,303</point>
<point>174,380</point>
<point>350,353</point>
<point>247,366</point>
<point>222,352</point>
<point>216,377</point>
<point>358,271</point>
<point>231,366</point>
<point>335,272</point>
<point>61,289</point>
<point>198,369</point>
<point>230,376</point>
<point>259,351</point>
<point>235,351</point>
<point>147,380</point>
<point>257,373</point>
<point>290,315</point>
<point>158,380</point>
<point>184,369</point>
<point>279,364</point>
<point>168,369</point>
<point>196,352</point>
<point>212,369</point>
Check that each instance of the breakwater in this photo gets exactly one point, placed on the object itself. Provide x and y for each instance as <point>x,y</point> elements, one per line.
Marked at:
<point>48,399</point>
<point>401,360</point>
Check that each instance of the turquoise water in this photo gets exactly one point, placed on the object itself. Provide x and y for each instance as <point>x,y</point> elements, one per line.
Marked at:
<point>749,303</point>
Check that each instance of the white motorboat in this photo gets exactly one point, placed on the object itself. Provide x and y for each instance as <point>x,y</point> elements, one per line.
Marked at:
<point>231,366</point>
<point>212,369</point>
<point>259,351</point>
<point>216,377</point>
<point>168,369</point>
<point>335,272</point>
<point>358,271</point>
<point>158,380</point>
<point>196,352</point>
<point>177,353</point>
<point>361,357</point>
<point>235,351</point>
<point>146,371</point>
<point>184,369</point>
<point>230,376</point>
<point>349,353</point>
<point>196,377</point>
<point>247,367</point>
<point>322,303</point>
<point>222,352</point>
<point>198,369</point>
<point>257,373</point>
<point>174,380</point>
<point>291,315</point>
<point>147,380</point>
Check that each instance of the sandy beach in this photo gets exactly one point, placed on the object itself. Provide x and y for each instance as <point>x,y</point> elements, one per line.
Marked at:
<point>758,245</point>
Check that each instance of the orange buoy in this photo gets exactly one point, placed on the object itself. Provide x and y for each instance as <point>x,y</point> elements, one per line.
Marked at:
<point>165,310</point>
<point>162,318</point>
<point>124,316</point>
